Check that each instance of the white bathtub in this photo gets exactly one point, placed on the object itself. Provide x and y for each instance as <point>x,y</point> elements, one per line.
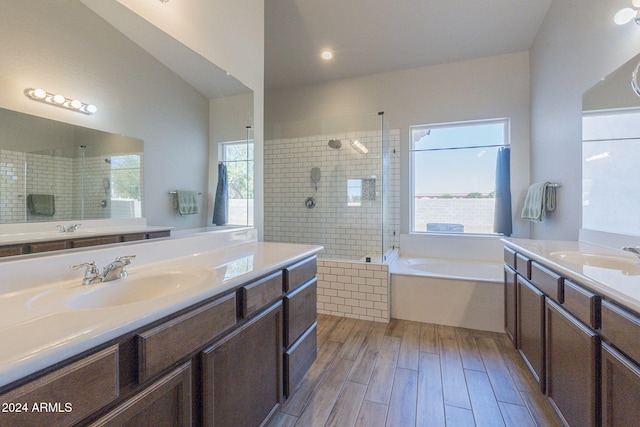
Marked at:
<point>448,291</point>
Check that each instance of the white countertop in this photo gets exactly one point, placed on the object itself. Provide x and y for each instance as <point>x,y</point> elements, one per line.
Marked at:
<point>13,238</point>
<point>36,335</point>
<point>618,285</point>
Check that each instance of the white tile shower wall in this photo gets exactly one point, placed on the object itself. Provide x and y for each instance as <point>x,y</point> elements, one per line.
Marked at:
<point>354,289</point>
<point>22,174</point>
<point>12,187</point>
<point>46,174</point>
<point>347,232</point>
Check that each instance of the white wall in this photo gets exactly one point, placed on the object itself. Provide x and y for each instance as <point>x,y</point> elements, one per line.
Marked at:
<point>577,45</point>
<point>477,89</point>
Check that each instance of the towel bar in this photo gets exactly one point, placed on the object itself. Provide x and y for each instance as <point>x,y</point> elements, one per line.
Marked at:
<point>175,192</point>
<point>554,184</point>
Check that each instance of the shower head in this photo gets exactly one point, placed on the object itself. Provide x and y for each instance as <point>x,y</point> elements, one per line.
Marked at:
<point>336,144</point>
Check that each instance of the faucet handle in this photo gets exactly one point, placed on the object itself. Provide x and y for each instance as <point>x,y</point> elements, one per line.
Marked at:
<point>125,259</point>
<point>88,264</point>
<point>91,273</point>
<point>61,228</point>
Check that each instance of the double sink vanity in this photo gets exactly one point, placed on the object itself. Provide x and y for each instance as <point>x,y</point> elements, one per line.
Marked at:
<point>215,329</point>
<point>572,310</point>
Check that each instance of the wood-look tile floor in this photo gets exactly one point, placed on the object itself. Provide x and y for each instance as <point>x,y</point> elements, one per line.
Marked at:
<point>413,374</point>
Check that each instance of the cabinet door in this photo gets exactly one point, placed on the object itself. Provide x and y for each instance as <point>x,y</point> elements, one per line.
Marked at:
<point>620,389</point>
<point>510,300</point>
<point>530,331</point>
<point>242,373</point>
<point>573,368</point>
<point>165,403</point>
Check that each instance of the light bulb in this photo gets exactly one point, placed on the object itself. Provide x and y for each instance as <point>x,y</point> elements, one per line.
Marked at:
<point>624,16</point>
<point>39,93</point>
<point>327,54</point>
<point>92,108</point>
<point>636,3</point>
<point>76,104</point>
<point>58,99</point>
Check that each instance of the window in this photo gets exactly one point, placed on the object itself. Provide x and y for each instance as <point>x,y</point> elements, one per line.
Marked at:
<point>238,157</point>
<point>125,186</point>
<point>454,175</point>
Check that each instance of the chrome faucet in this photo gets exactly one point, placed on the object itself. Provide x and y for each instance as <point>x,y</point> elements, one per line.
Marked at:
<point>115,270</point>
<point>633,249</point>
<point>69,229</point>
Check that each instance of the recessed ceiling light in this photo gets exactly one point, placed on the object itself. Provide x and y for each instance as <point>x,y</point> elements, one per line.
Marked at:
<point>327,54</point>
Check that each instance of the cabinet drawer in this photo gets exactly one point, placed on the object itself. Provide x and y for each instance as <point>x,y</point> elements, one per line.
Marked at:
<point>297,274</point>
<point>69,393</point>
<point>166,344</point>
<point>583,304</point>
<point>260,293</point>
<point>299,358</point>
<point>158,234</point>
<point>95,241</point>
<point>300,311</point>
<point>523,265</point>
<point>510,257</point>
<point>11,250</point>
<point>547,281</point>
<point>57,245</point>
<point>133,237</point>
<point>166,402</point>
<point>621,329</point>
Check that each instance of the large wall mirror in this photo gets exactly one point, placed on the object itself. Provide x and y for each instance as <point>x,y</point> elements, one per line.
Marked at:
<point>54,171</point>
<point>146,85</point>
<point>611,154</point>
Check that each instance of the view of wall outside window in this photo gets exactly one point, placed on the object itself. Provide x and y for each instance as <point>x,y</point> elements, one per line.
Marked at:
<point>238,157</point>
<point>454,175</point>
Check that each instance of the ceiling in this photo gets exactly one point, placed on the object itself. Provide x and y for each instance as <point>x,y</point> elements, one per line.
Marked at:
<point>374,36</point>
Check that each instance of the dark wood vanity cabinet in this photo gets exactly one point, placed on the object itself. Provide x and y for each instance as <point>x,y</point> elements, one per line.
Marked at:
<point>591,349</point>
<point>531,329</point>
<point>165,403</point>
<point>573,367</point>
<point>242,373</point>
<point>300,301</point>
<point>219,362</point>
<point>70,241</point>
<point>620,389</point>
<point>510,305</point>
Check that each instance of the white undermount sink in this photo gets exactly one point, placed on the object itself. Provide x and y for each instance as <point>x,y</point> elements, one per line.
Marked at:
<point>628,265</point>
<point>139,286</point>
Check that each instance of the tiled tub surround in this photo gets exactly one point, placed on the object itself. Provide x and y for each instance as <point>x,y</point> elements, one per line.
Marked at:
<point>347,230</point>
<point>34,338</point>
<point>354,289</point>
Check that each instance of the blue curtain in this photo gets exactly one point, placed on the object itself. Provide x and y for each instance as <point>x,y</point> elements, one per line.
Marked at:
<point>502,217</point>
<point>220,207</point>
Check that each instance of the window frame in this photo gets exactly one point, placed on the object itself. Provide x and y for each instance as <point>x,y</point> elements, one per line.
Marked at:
<point>250,179</point>
<point>412,165</point>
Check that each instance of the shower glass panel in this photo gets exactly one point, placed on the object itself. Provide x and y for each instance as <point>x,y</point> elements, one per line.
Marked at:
<point>348,209</point>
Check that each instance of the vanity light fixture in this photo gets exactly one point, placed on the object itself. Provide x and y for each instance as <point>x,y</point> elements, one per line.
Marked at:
<point>628,14</point>
<point>60,101</point>
<point>358,146</point>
